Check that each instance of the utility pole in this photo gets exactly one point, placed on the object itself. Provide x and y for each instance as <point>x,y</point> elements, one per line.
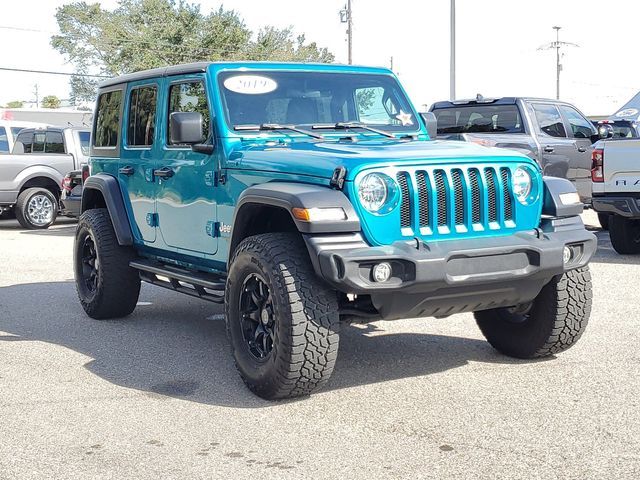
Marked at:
<point>557,45</point>
<point>452,62</point>
<point>35,91</point>
<point>391,63</point>
<point>346,17</point>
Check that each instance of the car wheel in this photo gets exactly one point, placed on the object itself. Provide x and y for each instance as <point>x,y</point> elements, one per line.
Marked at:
<point>282,320</point>
<point>625,234</point>
<point>36,208</point>
<point>603,218</point>
<point>552,323</point>
<point>107,286</point>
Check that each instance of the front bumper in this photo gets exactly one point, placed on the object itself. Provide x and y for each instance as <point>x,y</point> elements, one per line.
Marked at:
<point>624,206</point>
<point>446,277</point>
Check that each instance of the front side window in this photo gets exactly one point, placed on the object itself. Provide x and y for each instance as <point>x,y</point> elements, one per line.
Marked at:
<point>23,142</point>
<point>54,143</point>
<point>142,116</point>
<point>580,126</point>
<point>549,120</point>
<point>315,99</point>
<point>4,140</point>
<point>107,123</point>
<point>479,118</point>
<point>189,97</point>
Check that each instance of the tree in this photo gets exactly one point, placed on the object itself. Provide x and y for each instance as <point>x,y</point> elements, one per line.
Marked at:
<point>15,104</point>
<point>83,89</point>
<point>51,101</point>
<point>142,34</point>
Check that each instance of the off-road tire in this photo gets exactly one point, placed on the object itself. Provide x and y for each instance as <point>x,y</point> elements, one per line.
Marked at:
<point>624,234</point>
<point>306,332</point>
<point>118,285</point>
<point>556,320</point>
<point>603,219</point>
<point>22,206</point>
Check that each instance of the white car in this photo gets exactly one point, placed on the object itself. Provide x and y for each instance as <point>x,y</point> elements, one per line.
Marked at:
<point>9,130</point>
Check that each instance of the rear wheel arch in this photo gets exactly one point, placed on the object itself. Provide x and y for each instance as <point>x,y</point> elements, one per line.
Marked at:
<point>103,191</point>
<point>43,182</point>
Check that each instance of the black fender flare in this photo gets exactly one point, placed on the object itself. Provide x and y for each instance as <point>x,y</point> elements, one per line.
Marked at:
<point>552,203</point>
<point>302,195</point>
<point>109,188</point>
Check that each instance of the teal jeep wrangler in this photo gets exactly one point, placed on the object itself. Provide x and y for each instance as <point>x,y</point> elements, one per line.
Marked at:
<point>301,196</point>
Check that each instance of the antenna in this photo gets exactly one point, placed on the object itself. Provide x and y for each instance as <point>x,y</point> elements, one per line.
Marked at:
<point>557,45</point>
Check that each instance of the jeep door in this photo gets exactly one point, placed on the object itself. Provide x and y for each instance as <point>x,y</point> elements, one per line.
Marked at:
<point>556,148</point>
<point>186,202</point>
<point>138,156</point>
<point>581,131</point>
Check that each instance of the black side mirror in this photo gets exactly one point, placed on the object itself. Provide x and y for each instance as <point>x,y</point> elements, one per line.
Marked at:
<point>431,122</point>
<point>605,131</point>
<point>186,128</point>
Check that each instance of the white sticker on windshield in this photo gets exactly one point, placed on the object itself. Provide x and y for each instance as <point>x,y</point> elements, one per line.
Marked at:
<point>405,118</point>
<point>250,84</point>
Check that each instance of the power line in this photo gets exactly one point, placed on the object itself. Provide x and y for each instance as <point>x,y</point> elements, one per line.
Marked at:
<point>47,72</point>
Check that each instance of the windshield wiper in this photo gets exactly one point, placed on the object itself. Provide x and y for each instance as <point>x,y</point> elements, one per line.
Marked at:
<point>351,125</point>
<point>277,126</point>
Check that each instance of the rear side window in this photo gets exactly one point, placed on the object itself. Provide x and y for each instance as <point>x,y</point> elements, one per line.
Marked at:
<point>38,142</point>
<point>189,97</point>
<point>107,123</point>
<point>142,117</point>
<point>84,142</point>
<point>4,141</point>
<point>549,120</point>
<point>479,119</point>
<point>54,143</point>
<point>580,126</point>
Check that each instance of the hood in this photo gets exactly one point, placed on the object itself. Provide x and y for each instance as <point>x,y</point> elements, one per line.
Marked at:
<point>320,159</point>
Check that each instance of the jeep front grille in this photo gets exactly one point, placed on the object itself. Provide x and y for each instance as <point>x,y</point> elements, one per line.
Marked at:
<point>455,200</point>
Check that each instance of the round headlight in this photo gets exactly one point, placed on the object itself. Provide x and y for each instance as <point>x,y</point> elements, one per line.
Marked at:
<point>521,181</point>
<point>373,192</point>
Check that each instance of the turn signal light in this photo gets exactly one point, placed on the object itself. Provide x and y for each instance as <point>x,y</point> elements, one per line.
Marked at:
<point>319,214</point>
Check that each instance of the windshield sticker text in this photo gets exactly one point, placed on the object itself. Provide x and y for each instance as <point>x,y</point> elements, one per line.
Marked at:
<point>250,84</point>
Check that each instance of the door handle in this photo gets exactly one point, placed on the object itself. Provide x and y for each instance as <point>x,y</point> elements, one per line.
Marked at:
<point>548,149</point>
<point>582,149</point>
<point>128,170</point>
<point>164,172</point>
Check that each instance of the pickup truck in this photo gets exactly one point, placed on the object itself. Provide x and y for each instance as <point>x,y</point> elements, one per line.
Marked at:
<point>31,176</point>
<point>615,176</point>
<point>553,133</point>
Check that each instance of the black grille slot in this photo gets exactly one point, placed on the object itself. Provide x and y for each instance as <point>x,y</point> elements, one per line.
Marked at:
<point>423,199</point>
<point>491,190</point>
<point>441,191</point>
<point>405,201</point>
<point>458,196</point>
<point>506,188</point>
<point>475,195</point>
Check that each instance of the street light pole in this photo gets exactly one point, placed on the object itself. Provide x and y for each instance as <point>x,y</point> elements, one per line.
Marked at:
<point>452,63</point>
<point>345,17</point>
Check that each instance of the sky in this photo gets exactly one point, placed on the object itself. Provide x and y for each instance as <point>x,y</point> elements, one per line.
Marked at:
<point>497,45</point>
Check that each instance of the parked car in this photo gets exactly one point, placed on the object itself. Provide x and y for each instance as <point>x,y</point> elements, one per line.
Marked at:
<point>301,195</point>
<point>616,191</point>
<point>553,133</point>
<point>9,129</point>
<point>31,176</point>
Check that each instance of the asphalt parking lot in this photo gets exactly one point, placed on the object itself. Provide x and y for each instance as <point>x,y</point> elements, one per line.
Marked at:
<point>157,395</point>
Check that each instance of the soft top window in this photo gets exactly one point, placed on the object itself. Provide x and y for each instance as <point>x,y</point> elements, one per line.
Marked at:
<point>107,123</point>
<point>479,119</point>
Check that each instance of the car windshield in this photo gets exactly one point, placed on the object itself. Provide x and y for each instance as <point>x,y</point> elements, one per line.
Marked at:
<point>479,119</point>
<point>317,99</point>
<point>623,130</point>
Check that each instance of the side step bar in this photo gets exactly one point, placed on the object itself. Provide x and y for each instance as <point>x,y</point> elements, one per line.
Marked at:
<point>197,284</point>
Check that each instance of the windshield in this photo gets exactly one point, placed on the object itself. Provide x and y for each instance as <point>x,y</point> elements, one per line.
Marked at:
<point>623,130</point>
<point>479,119</point>
<point>315,98</point>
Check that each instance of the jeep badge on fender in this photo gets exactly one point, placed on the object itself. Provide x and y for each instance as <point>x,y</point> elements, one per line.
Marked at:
<point>336,203</point>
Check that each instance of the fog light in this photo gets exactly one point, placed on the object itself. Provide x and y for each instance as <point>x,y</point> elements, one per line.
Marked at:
<point>382,272</point>
<point>566,254</point>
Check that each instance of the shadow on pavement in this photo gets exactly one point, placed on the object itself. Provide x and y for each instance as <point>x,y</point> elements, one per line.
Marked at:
<point>63,226</point>
<point>606,253</point>
<point>176,346</point>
